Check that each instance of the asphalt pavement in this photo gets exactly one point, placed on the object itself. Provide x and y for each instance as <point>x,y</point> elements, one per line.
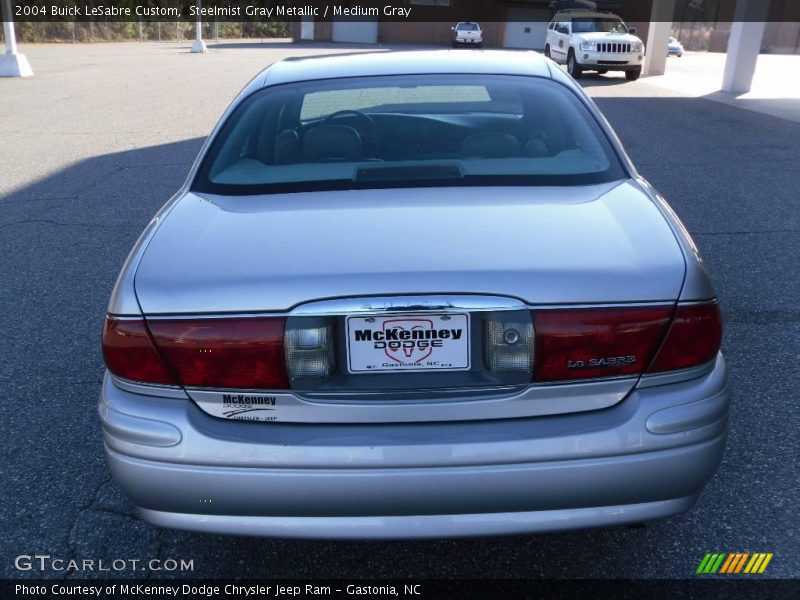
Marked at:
<point>102,136</point>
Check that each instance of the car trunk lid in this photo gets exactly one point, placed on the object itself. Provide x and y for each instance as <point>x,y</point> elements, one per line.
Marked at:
<point>605,243</point>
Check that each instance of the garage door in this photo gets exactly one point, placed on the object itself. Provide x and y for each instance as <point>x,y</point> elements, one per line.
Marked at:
<point>307,28</point>
<point>364,32</point>
<point>526,27</point>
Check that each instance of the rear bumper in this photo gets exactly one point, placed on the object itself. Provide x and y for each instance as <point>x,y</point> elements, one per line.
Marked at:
<point>464,501</point>
<point>646,458</point>
<point>421,526</point>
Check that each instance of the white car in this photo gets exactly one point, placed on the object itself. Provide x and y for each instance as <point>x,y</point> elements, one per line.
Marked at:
<point>674,47</point>
<point>467,34</point>
<point>594,41</point>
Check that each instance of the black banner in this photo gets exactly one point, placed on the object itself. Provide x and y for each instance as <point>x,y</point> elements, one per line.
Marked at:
<point>728,588</point>
<point>451,11</point>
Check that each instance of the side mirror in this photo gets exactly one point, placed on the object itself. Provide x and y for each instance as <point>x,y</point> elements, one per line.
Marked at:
<point>632,30</point>
<point>452,29</point>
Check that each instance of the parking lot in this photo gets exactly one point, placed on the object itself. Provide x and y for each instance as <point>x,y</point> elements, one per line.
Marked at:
<point>102,136</point>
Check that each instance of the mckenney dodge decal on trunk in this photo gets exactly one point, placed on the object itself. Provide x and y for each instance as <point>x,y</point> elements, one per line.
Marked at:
<point>242,406</point>
<point>408,343</point>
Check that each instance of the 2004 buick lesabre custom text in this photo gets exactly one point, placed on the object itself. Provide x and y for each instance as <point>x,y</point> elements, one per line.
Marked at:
<point>413,294</point>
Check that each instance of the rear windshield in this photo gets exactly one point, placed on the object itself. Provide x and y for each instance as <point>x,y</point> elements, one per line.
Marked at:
<point>467,27</point>
<point>407,131</point>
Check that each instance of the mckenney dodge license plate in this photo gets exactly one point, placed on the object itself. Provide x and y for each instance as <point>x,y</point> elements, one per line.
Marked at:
<point>408,343</point>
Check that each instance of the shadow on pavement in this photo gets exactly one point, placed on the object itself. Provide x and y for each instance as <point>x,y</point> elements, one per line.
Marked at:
<point>785,108</point>
<point>607,79</point>
<point>63,240</point>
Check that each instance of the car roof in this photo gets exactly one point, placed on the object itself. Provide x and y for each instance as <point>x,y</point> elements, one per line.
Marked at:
<point>584,14</point>
<point>415,62</point>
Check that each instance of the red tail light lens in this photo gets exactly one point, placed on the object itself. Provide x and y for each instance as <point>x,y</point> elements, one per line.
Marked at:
<point>129,352</point>
<point>597,342</point>
<point>223,353</point>
<point>694,338</point>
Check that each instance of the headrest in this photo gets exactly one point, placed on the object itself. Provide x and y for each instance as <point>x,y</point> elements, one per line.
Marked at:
<point>332,143</point>
<point>287,148</point>
<point>490,145</point>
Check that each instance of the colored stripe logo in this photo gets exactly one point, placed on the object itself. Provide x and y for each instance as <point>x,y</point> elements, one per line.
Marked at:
<point>727,563</point>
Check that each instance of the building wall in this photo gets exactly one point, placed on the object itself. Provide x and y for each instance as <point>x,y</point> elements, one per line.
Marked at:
<point>706,28</point>
<point>779,37</point>
<point>436,33</point>
<point>323,31</point>
<point>429,30</point>
<point>782,38</point>
<point>390,32</point>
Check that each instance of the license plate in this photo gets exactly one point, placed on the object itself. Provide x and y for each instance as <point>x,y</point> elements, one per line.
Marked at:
<point>397,343</point>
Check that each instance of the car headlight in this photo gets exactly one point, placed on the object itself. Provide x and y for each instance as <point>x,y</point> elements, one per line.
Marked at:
<point>637,47</point>
<point>591,46</point>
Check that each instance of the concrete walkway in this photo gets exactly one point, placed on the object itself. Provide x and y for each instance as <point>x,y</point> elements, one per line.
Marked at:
<point>775,91</point>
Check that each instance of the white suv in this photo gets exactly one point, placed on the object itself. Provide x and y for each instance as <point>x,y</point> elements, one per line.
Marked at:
<point>594,41</point>
<point>467,34</point>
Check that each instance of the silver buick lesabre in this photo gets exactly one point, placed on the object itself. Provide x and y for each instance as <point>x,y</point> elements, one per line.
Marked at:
<point>413,294</point>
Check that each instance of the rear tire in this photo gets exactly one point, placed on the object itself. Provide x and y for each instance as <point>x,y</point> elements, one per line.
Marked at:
<point>633,75</point>
<point>547,51</point>
<point>572,66</point>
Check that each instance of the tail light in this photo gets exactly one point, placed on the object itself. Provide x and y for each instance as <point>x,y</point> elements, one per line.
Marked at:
<point>244,353</point>
<point>603,342</point>
<point>276,353</point>
<point>235,353</point>
<point>129,352</point>
<point>597,342</point>
<point>223,352</point>
<point>694,338</point>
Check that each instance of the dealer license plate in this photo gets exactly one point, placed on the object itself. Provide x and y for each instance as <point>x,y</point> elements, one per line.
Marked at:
<point>416,342</point>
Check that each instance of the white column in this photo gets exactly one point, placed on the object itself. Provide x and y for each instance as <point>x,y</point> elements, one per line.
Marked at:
<point>12,63</point>
<point>744,45</point>
<point>655,60</point>
<point>199,45</point>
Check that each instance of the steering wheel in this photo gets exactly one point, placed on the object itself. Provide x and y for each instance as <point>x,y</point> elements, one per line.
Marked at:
<point>368,133</point>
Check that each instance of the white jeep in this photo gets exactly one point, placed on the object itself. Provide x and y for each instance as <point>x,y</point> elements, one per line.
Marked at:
<point>587,40</point>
